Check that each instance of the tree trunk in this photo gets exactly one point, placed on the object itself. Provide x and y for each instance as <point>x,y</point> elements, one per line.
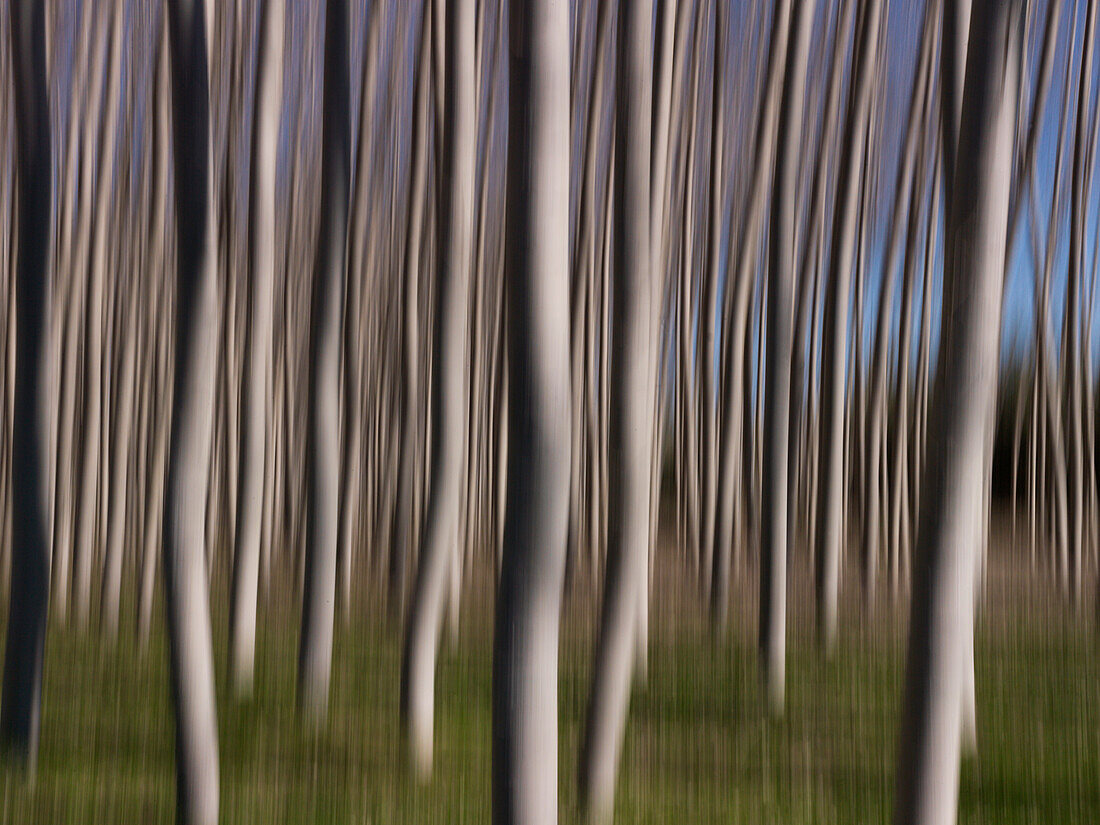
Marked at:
<point>830,524</point>
<point>254,390</point>
<point>405,532</point>
<point>950,526</point>
<point>191,654</point>
<point>777,341</point>
<point>21,701</point>
<point>450,387</point>
<point>733,455</point>
<point>1071,354</point>
<point>633,329</point>
<point>323,455</point>
<point>525,654</point>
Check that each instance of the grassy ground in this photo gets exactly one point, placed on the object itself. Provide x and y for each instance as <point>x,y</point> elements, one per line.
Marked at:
<point>697,749</point>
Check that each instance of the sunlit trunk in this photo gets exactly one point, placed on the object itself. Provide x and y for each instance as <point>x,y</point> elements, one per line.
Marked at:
<point>631,411</point>
<point>951,520</point>
<point>254,387</point>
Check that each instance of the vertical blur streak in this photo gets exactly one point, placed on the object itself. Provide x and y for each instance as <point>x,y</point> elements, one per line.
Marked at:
<point>631,407</point>
<point>322,451</point>
<point>950,526</point>
<point>185,569</point>
<point>525,660</point>
<point>20,711</point>
<point>439,548</point>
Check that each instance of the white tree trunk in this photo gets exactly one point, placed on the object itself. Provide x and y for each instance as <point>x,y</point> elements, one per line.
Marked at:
<point>525,659</point>
<point>633,333</point>
<point>951,517</point>
<point>254,389</point>
<point>450,387</point>
<point>777,346</point>
<point>191,654</point>
<point>835,326</point>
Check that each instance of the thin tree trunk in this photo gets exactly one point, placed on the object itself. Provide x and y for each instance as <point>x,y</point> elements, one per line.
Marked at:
<point>777,342</point>
<point>737,390</point>
<point>254,390</point>
<point>830,525</point>
<point>406,531</point>
<point>631,411</point>
<point>450,388</point>
<point>1072,357</point>
<point>323,456</point>
<point>191,654</point>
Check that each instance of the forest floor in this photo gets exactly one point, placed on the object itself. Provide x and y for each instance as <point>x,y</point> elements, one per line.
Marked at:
<point>698,747</point>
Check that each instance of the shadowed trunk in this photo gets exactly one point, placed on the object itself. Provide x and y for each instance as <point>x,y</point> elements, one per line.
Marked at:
<point>525,660</point>
<point>185,578</point>
<point>21,707</point>
<point>322,454</point>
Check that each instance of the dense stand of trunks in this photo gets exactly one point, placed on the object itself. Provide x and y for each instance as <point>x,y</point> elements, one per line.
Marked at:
<point>367,297</point>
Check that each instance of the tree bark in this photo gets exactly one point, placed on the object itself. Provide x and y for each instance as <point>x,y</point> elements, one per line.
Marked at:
<point>190,649</point>
<point>830,524</point>
<point>254,390</point>
<point>733,454</point>
<point>21,701</point>
<point>631,411</point>
<point>525,658</point>
<point>450,386</point>
<point>951,519</point>
<point>323,455</point>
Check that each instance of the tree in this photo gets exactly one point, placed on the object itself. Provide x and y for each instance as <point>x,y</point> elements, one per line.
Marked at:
<point>830,527</point>
<point>633,333</point>
<point>450,385</point>
<point>777,382</point>
<point>525,658</point>
<point>951,518</point>
<point>254,391</point>
<point>733,456</point>
<point>322,454</point>
<point>186,602</point>
<point>21,703</point>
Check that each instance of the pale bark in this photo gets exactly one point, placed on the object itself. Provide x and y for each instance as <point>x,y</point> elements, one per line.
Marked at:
<point>120,447</point>
<point>631,412</point>
<point>406,528</point>
<point>951,520</point>
<point>254,387</point>
<point>709,561</point>
<point>449,390</point>
<point>1071,354</point>
<point>876,423</point>
<point>322,453</point>
<point>92,461</point>
<point>740,280</point>
<point>809,274</point>
<point>190,648</point>
<point>525,660</point>
<point>776,342</point>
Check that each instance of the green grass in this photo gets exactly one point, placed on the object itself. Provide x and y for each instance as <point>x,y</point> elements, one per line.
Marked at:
<point>698,748</point>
